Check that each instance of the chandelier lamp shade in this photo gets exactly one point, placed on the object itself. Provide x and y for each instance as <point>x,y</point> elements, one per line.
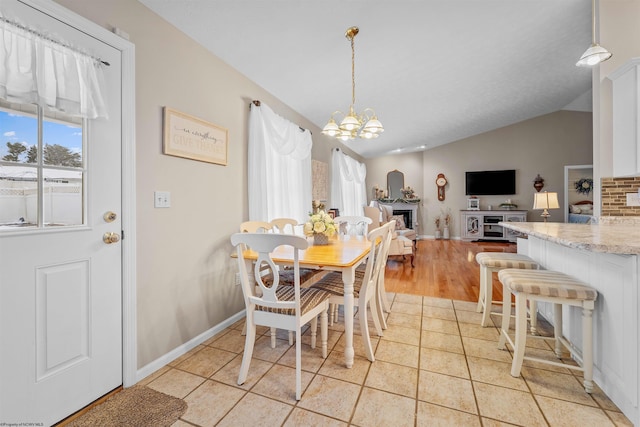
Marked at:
<point>363,125</point>
<point>595,54</point>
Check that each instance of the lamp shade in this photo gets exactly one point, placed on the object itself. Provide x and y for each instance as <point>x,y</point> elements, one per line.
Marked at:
<point>593,56</point>
<point>545,200</point>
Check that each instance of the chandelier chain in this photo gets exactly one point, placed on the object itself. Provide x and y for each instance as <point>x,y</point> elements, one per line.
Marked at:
<point>353,72</point>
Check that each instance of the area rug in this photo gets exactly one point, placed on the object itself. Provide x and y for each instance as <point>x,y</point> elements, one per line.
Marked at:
<point>138,406</point>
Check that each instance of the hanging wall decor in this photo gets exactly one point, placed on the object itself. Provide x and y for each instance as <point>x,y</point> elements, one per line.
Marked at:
<point>193,138</point>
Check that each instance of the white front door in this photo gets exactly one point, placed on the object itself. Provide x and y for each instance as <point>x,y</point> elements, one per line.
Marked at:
<point>60,283</point>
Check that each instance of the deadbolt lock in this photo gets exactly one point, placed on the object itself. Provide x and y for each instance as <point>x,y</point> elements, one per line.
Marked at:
<point>110,216</point>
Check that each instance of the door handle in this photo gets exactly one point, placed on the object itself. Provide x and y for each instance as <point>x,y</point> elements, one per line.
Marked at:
<point>109,238</point>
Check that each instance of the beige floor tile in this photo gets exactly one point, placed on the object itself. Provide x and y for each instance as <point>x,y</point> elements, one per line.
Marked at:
<point>154,375</point>
<point>439,312</point>
<point>488,422</point>
<point>404,320</point>
<point>472,317</point>
<point>220,335</point>
<point>430,415</point>
<point>207,361</point>
<point>508,405</point>
<point>331,397</point>
<point>485,349</point>
<point>406,308</point>
<point>568,414</point>
<point>301,417</point>
<point>619,419</point>
<point>311,357</point>
<point>185,356</point>
<point>545,355</point>
<point>438,341</point>
<point>476,331</point>
<point>358,344</point>
<point>452,392</point>
<point>181,423</point>
<point>402,335</point>
<point>602,399</point>
<point>437,302</point>
<point>465,305</point>
<point>556,385</point>
<point>176,383</point>
<point>393,378</point>
<point>398,353</point>
<point>255,410</point>
<point>409,299</point>
<point>494,372</point>
<point>280,383</point>
<point>440,325</point>
<point>210,402</point>
<point>444,362</point>
<point>262,349</point>
<point>334,367</point>
<point>378,408</point>
<point>229,372</point>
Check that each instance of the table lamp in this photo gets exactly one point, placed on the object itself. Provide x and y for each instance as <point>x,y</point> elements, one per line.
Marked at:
<point>545,201</point>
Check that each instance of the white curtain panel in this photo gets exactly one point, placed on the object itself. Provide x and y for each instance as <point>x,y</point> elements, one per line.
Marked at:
<point>279,165</point>
<point>38,70</point>
<point>348,189</point>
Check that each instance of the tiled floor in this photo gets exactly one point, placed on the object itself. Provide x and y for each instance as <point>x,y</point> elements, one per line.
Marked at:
<point>434,367</point>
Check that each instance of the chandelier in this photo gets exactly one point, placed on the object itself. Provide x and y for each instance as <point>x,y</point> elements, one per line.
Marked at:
<point>595,54</point>
<point>364,125</point>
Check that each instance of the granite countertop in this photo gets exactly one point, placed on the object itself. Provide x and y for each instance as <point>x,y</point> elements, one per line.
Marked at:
<point>618,238</point>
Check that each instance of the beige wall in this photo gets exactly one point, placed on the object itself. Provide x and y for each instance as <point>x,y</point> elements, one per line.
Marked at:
<point>542,145</point>
<point>185,279</point>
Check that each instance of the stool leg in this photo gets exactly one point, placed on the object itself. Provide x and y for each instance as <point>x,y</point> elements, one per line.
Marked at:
<point>557,328</point>
<point>587,350</point>
<point>521,334</point>
<point>487,296</point>
<point>506,316</point>
<point>533,317</point>
<point>481,291</point>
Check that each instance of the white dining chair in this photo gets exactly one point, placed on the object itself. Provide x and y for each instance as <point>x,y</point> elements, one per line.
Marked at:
<point>353,225</point>
<point>284,225</point>
<point>283,307</point>
<point>255,227</point>
<point>365,289</point>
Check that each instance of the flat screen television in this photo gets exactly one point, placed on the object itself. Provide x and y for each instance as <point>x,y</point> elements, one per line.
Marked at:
<point>488,183</point>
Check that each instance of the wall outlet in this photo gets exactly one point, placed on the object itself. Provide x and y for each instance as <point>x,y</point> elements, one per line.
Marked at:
<point>237,279</point>
<point>161,199</point>
<point>633,199</point>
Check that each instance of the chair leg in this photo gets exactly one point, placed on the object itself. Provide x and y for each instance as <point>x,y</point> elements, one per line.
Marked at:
<point>587,348</point>
<point>314,331</point>
<point>248,352</point>
<point>364,330</point>
<point>557,329</point>
<point>290,337</point>
<point>273,337</point>
<point>483,284</point>
<point>506,316</point>
<point>380,305</point>
<point>487,297</point>
<point>298,363</point>
<point>324,332</point>
<point>375,313</point>
<point>533,317</point>
<point>521,334</point>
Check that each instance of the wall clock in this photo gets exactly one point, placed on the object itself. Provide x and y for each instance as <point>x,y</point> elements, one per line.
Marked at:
<point>441,181</point>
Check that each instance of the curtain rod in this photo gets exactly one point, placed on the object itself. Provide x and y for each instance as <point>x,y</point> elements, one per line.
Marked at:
<point>49,39</point>
<point>256,102</point>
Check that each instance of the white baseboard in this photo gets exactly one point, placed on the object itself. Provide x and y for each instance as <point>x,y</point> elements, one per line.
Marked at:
<point>165,359</point>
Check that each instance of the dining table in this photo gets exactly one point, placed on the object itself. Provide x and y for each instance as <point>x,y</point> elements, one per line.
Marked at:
<point>343,253</point>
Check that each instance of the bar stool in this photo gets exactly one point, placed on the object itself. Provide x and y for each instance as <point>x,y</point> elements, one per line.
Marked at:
<point>557,288</point>
<point>493,262</point>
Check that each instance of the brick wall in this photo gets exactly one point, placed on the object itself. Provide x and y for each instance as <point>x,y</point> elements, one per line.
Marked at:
<point>614,196</point>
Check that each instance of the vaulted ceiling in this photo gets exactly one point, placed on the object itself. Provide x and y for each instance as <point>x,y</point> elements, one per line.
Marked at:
<point>434,71</point>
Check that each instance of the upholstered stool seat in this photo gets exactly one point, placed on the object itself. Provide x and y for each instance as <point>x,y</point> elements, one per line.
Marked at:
<point>557,288</point>
<point>493,262</point>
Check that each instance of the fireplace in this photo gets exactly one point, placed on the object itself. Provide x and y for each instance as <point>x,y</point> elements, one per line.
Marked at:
<point>407,214</point>
<point>408,210</point>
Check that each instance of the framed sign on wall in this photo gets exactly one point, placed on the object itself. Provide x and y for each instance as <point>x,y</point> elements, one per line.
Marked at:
<point>193,138</point>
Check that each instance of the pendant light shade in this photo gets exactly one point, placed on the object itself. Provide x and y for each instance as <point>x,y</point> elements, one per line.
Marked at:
<point>596,53</point>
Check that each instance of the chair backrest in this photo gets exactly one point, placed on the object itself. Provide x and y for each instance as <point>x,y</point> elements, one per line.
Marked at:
<point>374,214</point>
<point>284,225</point>
<point>264,294</point>
<point>354,225</point>
<point>379,238</point>
<point>255,227</point>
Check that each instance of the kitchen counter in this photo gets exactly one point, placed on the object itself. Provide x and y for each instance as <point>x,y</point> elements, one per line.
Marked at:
<point>619,238</point>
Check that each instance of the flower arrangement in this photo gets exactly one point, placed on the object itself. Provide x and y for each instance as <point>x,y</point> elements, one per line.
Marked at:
<point>408,192</point>
<point>437,221</point>
<point>320,223</point>
<point>584,186</point>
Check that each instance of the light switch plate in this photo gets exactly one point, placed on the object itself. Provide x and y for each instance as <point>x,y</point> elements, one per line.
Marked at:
<point>161,199</point>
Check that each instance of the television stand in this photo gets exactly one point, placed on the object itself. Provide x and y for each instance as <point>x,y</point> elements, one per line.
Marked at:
<point>484,225</point>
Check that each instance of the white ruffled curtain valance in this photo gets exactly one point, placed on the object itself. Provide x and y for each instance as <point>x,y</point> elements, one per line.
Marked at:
<point>348,187</point>
<point>279,167</point>
<point>35,69</point>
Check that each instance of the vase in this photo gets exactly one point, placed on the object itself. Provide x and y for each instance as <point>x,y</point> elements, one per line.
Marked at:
<point>437,233</point>
<point>445,233</point>
<point>320,239</point>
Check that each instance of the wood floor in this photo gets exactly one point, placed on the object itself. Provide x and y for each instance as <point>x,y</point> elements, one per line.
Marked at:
<point>444,269</point>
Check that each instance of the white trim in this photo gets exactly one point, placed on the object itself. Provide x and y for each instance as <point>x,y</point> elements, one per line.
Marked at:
<point>129,311</point>
<point>167,358</point>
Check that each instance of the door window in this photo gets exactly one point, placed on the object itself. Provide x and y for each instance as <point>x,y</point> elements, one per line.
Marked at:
<point>42,168</point>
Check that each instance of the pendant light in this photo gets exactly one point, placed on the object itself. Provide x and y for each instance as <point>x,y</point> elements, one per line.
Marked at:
<point>596,53</point>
